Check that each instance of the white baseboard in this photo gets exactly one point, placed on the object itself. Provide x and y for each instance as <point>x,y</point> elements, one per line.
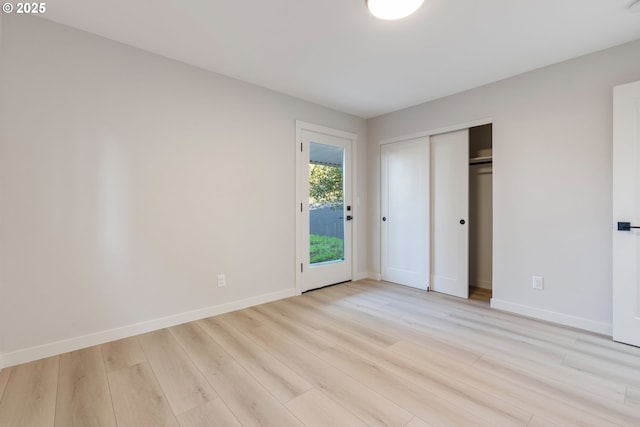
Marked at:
<point>77,343</point>
<point>553,316</point>
<point>366,275</point>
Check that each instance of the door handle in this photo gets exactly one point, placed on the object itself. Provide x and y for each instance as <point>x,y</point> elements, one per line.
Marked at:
<point>349,217</point>
<point>463,222</point>
<point>384,218</point>
<point>626,226</point>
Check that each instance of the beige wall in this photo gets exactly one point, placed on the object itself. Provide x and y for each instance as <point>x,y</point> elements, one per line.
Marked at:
<point>130,181</point>
<point>552,180</point>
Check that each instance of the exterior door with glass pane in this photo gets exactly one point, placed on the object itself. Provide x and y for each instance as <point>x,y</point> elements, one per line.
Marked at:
<point>325,210</point>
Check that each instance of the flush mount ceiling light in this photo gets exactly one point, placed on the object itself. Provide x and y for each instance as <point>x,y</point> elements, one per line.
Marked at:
<point>635,6</point>
<point>393,9</point>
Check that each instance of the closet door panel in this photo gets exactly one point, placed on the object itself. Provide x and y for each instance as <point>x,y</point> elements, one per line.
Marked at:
<point>450,213</point>
<point>405,212</point>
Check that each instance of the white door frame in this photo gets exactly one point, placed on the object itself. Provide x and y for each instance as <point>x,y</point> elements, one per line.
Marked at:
<point>301,197</point>
<point>437,131</point>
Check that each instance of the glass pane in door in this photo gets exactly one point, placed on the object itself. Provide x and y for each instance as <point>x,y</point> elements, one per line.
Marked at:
<point>326,203</point>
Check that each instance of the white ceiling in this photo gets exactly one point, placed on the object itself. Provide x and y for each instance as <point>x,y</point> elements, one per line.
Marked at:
<point>335,53</point>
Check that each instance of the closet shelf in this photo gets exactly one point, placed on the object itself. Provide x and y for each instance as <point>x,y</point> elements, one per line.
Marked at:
<point>481,160</point>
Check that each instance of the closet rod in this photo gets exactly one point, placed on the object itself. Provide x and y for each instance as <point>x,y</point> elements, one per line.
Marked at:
<point>480,162</point>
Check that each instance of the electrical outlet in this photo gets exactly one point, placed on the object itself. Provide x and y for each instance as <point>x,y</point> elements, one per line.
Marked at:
<point>538,283</point>
<point>222,281</point>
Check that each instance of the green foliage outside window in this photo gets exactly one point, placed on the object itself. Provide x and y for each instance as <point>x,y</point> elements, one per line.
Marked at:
<point>324,248</point>
<point>325,184</point>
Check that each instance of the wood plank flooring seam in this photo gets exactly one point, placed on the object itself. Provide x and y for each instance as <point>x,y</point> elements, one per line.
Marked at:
<point>108,384</point>
<point>242,362</point>
<point>444,389</point>
<point>155,376</point>
<point>534,382</point>
<point>322,384</point>
<point>207,374</point>
<point>5,374</point>
<point>57,393</point>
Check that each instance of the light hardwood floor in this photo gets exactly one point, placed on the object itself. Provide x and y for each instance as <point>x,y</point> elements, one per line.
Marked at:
<point>479,294</point>
<point>359,354</point>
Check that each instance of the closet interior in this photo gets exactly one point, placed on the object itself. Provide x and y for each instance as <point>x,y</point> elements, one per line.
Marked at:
<point>480,212</point>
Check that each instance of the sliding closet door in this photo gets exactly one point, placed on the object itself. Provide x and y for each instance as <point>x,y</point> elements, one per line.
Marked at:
<point>449,213</point>
<point>405,212</point>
